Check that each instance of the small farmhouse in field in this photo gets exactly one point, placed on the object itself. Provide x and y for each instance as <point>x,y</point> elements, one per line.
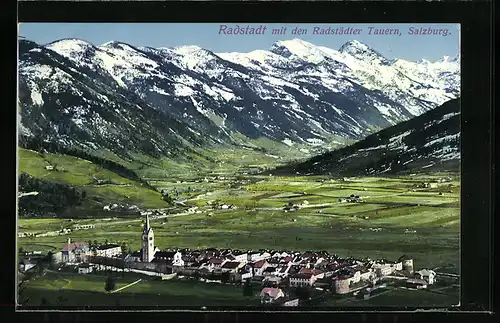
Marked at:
<point>428,185</point>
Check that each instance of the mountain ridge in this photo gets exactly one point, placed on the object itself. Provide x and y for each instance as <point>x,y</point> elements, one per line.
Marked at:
<point>310,96</point>
<point>428,142</point>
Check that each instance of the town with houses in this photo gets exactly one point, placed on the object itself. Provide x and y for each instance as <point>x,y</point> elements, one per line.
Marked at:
<point>281,276</point>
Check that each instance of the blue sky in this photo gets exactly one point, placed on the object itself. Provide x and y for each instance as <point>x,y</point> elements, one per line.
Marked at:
<point>206,35</point>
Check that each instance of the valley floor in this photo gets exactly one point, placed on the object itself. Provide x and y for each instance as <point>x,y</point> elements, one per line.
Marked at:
<point>394,216</point>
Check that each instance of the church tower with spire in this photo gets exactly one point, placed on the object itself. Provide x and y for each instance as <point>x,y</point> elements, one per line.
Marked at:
<point>148,242</point>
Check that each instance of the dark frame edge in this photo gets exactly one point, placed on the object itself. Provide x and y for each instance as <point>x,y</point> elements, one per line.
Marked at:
<point>477,143</point>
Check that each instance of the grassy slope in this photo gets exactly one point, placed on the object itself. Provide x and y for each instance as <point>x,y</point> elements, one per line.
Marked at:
<point>80,173</point>
<point>374,155</point>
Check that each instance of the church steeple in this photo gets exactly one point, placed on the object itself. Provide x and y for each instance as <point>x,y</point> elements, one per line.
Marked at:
<point>147,227</point>
<point>148,242</point>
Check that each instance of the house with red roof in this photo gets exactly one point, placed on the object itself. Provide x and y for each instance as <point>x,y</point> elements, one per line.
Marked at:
<point>321,262</point>
<point>230,258</point>
<point>307,255</point>
<point>284,270</point>
<point>259,267</point>
<point>334,266</point>
<point>271,295</point>
<point>75,251</point>
<point>314,272</point>
<point>214,264</point>
<point>240,256</point>
<point>231,266</point>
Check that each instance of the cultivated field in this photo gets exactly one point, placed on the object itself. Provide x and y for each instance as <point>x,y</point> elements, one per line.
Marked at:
<point>395,217</point>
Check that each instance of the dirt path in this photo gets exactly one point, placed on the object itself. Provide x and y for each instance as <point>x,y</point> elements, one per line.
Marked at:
<point>126,286</point>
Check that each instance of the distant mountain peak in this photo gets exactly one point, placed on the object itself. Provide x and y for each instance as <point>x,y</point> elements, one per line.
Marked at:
<point>294,42</point>
<point>423,61</point>
<point>449,59</point>
<point>188,49</point>
<point>297,90</point>
<point>114,44</point>
<point>360,50</point>
<point>70,40</point>
<point>300,48</point>
<point>354,43</point>
<point>70,44</point>
<point>72,47</point>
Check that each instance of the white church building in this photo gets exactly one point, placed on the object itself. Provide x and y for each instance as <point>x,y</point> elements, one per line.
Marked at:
<point>148,242</point>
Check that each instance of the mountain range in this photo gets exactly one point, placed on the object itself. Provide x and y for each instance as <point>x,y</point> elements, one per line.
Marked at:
<point>430,141</point>
<point>165,101</point>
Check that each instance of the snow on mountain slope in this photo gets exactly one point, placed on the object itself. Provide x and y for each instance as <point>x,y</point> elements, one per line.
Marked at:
<point>295,91</point>
<point>400,80</point>
<point>429,141</point>
<point>68,102</point>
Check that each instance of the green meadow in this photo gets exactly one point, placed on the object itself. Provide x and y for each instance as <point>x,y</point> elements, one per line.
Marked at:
<point>88,290</point>
<point>387,223</point>
<point>394,216</point>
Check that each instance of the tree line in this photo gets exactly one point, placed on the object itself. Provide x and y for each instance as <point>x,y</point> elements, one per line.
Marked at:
<point>39,145</point>
<point>52,197</point>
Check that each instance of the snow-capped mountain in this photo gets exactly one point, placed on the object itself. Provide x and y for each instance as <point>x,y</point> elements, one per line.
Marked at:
<point>77,105</point>
<point>430,141</point>
<point>119,96</point>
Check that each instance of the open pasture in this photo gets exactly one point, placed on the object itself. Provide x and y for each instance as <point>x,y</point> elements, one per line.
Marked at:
<point>399,222</point>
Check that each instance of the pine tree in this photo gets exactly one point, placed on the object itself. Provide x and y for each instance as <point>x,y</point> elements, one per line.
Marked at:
<point>225,277</point>
<point>61,300</point>
<point>247,288</point>
<point>110,284</point>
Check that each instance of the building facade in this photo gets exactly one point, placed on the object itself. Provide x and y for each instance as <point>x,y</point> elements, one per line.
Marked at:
<point>108,251</point>
<point>342,286</point>
<point>75,252</point>
<point>148,242</point>
<point>301,280</point>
